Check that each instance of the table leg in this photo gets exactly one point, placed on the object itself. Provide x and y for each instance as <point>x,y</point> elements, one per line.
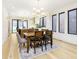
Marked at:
<point>51,41</point>
<point>28,43</point>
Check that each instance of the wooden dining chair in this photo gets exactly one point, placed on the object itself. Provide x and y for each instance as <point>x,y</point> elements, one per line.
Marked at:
<point>47,38</point>
<point>37,40</point>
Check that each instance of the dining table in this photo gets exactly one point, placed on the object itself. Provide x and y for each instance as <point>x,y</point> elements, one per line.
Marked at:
<point>28,35</point>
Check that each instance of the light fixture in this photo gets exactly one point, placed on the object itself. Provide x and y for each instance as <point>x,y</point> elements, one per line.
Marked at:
<point>37,10</point>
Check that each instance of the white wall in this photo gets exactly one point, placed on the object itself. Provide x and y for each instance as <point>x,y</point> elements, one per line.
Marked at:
<point>49,22</point>
<point>30,23</point>
<point>63,36</point>
<point>4,25</point>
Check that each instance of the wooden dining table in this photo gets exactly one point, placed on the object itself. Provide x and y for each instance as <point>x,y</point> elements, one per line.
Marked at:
<point>28,35</point>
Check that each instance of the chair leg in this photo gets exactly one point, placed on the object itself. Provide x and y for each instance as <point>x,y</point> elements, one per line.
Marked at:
<point>41,45</point>
<point>34,48</point>
<point>23,44</point>
<point>45,45</point>
<point>51,43</point>
<point>19,47</point>
<point>30,44</point>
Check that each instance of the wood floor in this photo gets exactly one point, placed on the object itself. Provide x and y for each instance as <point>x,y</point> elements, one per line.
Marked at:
<point>65,50</point>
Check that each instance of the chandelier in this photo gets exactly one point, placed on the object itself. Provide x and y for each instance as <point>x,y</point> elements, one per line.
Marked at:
<point>38,10</point>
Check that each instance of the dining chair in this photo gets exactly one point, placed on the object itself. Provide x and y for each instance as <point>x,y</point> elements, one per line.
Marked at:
<point>47,38</point>
<point>37,40</point>
<point>21,41</point>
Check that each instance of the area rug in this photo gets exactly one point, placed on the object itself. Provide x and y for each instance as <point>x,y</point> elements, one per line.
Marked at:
<point>30,55</point>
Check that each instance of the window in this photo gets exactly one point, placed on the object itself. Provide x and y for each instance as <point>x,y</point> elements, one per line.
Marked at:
<point>25,24</point>
<point>72,21</point>
<point>42,22</point>
<point>61,22</point>
<point>14,25</point>
<point>20,24</point>
<point>54,22</point>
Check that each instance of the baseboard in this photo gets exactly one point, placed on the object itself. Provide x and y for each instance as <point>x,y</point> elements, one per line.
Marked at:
<point>65,42</point>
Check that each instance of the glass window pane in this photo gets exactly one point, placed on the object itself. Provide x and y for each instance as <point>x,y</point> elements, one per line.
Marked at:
<point>42,22</point>
<point>61,22</point>
<point>20,24</point>
<point>25,24</point>
<point>72,22</point>
<point>14,26</point>
<point>54,22</point>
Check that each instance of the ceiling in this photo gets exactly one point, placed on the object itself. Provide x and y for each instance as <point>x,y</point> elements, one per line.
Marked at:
<point>25,7</point>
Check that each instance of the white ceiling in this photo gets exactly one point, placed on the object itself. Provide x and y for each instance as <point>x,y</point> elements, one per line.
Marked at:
<point>26,6</point>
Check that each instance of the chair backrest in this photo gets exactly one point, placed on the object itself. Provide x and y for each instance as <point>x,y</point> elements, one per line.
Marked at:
<point>18,36</point>
<point>49,32</point>
<point>44,31</point>
<point>38,33</point>
<point>19,31</point>
<point>30,30</point>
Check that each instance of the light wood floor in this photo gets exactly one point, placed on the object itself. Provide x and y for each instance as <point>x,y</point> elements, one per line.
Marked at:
<point>65,50</point>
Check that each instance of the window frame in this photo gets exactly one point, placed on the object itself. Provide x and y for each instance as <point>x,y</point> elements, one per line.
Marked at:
<point>18,23</point>
<point>53,24</point>
<point>43,22</point>
<point>76,21</point>
<point>59,21</point>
